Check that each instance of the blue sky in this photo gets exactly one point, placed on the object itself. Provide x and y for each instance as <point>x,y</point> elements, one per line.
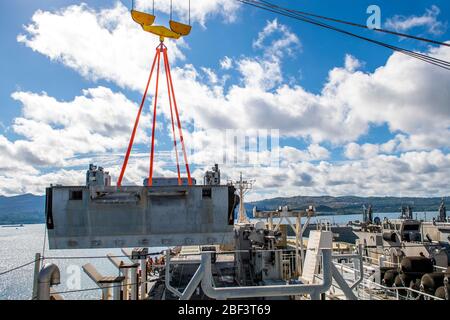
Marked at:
<point>346,110</point>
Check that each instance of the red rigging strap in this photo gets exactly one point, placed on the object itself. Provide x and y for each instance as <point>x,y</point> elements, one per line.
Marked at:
<point>152,153</point>
<point>171,95</point>
<point>171,117</point>
<point>130,144</point>
<point>178,120</point>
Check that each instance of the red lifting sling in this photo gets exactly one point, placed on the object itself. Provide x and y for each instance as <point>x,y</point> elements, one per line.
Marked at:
<point>172,101</point>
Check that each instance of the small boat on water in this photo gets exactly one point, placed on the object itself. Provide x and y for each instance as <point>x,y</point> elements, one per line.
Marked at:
<point>13,226</point>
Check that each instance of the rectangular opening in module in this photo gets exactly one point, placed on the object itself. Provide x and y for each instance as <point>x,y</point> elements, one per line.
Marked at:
<point>76,195</point>
<point>206,193</point>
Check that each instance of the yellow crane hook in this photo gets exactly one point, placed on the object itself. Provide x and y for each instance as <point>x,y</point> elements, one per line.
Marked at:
<point>146,20</point>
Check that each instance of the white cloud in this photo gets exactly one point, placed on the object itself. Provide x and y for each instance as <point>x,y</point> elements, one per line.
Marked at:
<point>400,143</point>
<point>424,141</point>
<point>369,150</point>
<point>212,76</point>
<point>351,63</point>
<point>286,42</point>
<point>226,63</point>
<point>429,20</point>
<point>314,152</point>
<point>13,158</point>
<point>291,109</point>
<point>36,184</point>
<point>54,131</point>
<point>22,182</point>
<point>355,151</point>
<point>104,44</point>
<point>408,174</point>
<point>263,75</point>
<point>409,96</point>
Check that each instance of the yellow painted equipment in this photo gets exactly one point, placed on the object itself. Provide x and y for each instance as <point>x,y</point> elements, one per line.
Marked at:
<point>142,18</point>
<point>180,28</point>
<point>177,29</point>
<point>162,32</point>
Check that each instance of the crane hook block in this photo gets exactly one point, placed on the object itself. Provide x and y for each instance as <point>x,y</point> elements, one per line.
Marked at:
<point>162,31</point>
<point>180,28</point>
<point>177,29</point>
<point>144,19</point>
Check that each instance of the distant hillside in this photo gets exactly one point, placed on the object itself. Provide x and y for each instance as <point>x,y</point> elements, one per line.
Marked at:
<point>349,204</point>
<point>25,208</point>
<point>29,208</point>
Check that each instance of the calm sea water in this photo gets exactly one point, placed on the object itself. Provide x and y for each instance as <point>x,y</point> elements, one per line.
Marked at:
<point>343,219</point>
<point>19,245</point>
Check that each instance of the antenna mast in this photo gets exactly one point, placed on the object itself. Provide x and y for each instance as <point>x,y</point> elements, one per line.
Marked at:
<point>243,187</point>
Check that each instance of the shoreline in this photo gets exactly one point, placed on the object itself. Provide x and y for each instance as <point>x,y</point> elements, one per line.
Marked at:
<point>318,214</point>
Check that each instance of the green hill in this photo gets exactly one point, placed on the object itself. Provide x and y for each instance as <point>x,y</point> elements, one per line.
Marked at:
<point>26,208</point>
<point>29,208</point>
<point>350,204</point>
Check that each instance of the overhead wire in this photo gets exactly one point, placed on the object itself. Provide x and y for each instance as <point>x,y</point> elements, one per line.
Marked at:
<point>103,257</point>
<point>282,11</point>
<point>354,24</point>
<point>19,267</point>
<point>75,258</point>
<point>413,54</point>
<point>432,60</point>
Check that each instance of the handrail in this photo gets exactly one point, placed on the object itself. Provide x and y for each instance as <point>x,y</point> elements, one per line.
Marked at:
<point>333,285</point>
<point>406,289</point>
<point>374,259</point>
<point>444,269</point>
<point>361,264</point>
<point>385,288</point>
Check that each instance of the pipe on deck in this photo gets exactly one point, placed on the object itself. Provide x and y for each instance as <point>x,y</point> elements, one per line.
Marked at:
<point>48,276</point>
<point>356,256</point>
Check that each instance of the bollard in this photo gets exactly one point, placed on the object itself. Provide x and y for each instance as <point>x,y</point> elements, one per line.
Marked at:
<point>134,283</point>
<point>37,267</point>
